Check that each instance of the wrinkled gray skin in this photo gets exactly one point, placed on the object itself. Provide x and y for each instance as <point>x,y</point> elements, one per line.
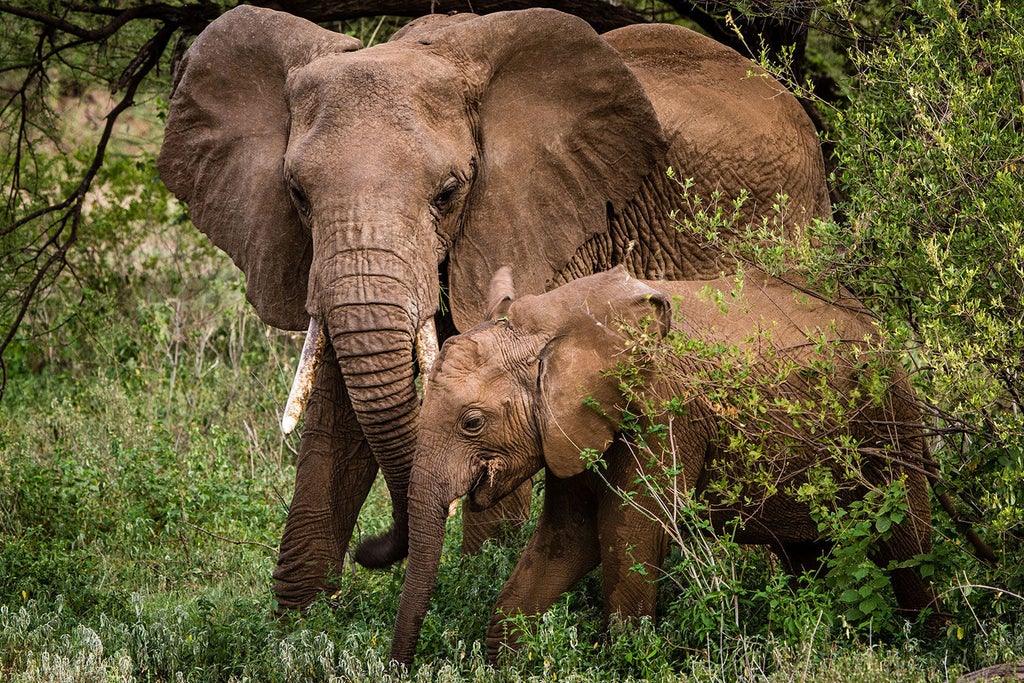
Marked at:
<point>507,399</point>
<point>363,186</point>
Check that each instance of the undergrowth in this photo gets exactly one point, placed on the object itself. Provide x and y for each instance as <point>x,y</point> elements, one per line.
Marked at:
<point>145,488</point>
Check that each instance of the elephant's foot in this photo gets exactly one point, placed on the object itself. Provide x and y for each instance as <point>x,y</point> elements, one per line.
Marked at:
<point>384,550</point>
<point>502,637</point>
<point>291,596</point>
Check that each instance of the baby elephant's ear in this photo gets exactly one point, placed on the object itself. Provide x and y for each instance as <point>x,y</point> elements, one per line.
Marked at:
<point>581,405</point>
<point>580,402</point>
<point>641,306</point>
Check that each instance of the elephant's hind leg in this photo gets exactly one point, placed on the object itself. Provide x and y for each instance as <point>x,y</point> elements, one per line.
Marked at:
<point>913,592</point>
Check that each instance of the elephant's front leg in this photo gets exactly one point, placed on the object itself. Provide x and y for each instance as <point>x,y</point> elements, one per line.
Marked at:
<point>333,475</point>
<point>633,549</point>
<point>633,546</point>
<point>563,549</point>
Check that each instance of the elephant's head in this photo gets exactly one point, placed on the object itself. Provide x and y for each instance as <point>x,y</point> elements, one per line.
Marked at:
<point>511,396</point>
<point>355,186</point>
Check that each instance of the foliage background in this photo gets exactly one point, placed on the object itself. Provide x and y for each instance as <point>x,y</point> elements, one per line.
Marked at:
<point>144,484</point>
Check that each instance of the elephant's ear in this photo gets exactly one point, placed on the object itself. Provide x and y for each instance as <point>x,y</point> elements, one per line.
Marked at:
<point>224,144</point>
<point>566,135</point>
<point>580,401</point>
<point>580,407</point>
<point>500,294</point>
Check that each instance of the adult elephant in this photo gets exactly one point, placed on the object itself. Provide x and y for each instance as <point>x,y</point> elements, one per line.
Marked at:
<point>367,193</point>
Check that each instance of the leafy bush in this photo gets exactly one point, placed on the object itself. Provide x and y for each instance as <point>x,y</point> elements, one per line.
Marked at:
<point>929,237</point>
<point>931,160</point>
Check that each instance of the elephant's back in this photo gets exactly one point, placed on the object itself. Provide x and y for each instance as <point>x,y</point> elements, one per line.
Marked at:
<point>759,307</point>
<point>730,125</point>
<point>672,63</point>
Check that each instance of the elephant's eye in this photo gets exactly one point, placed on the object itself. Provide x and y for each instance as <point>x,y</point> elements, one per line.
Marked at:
<point>473,423</point>
<point>446,195</point>
<point>298,197</point>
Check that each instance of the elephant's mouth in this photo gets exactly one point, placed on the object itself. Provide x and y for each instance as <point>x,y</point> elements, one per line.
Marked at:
<point>426,347</point>
<point>481,479</point>
<point>484,497</point>
<point>491,484</point>
<point>426,351</point>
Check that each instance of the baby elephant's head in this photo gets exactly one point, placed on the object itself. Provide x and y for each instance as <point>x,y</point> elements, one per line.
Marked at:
<point>531,387</point>
<point>481,427</point>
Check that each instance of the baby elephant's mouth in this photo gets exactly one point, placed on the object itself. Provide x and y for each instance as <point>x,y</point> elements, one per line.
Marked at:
<point>492,482</point>
<point>481,500</point>
<point>481,488</point>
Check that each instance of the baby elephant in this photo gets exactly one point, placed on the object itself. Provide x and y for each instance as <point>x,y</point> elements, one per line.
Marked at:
<point>531,389</point>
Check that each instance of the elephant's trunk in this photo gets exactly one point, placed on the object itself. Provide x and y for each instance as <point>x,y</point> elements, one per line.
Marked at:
<point>431,497</point>
<point>427,349</point>
<point>373,306</point>
<point>377,367</point>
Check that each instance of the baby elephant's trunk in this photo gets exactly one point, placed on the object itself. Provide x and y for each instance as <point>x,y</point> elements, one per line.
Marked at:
<point>429,504</point>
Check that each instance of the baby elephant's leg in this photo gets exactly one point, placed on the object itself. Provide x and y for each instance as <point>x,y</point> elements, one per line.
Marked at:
<point>910,538</point>
<point>633,548</point>
<point>562,550</point>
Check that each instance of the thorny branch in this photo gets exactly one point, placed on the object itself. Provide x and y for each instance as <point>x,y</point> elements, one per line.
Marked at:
<point>63,218</point>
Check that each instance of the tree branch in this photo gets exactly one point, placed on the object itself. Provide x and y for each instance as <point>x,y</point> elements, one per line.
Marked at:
<point>601,14</point>
<point>68,212</point>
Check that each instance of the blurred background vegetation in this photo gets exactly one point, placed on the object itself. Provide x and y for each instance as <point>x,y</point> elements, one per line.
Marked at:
<point>143,479</point>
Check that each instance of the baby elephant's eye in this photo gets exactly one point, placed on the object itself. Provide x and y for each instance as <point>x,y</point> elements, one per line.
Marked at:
<point>473,423</point>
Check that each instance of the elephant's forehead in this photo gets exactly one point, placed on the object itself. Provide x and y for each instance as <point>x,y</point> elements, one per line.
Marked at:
<point>463,356</point>
<point>374,79</point>
<point>468,365</point>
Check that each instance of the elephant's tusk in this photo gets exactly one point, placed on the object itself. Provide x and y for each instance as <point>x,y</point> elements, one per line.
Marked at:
<point>302,385</point>
<point>426,348</point>
<point>453,507</point>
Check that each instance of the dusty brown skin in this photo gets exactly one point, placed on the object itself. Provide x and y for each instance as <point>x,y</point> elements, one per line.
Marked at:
<point>507,400</point>
<point>352,185</point>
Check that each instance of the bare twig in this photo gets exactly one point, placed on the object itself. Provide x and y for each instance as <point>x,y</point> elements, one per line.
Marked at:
<point>232,541</point>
